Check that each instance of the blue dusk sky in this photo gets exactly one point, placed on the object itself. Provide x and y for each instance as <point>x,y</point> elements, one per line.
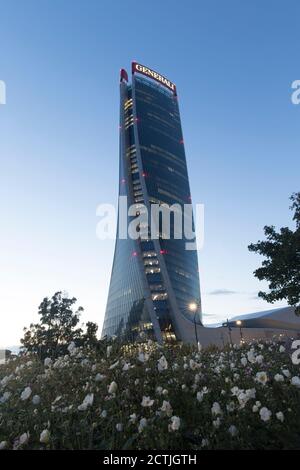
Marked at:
<point>233,63</point>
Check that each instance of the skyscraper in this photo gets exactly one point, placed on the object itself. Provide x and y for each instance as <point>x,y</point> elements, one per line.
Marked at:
<point>154,280</point>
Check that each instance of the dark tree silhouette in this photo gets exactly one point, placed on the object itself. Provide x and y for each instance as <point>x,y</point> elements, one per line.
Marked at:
<point>282,266</point>
<point>90,336</point>
<point>57,328</point>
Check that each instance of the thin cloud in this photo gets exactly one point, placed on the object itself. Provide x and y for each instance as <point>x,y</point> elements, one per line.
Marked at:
<point>223,292</point>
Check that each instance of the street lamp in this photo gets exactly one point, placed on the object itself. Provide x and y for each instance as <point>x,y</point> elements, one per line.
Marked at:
<point>239,323</point>
<point>226,324</point>
<point>193,307</point>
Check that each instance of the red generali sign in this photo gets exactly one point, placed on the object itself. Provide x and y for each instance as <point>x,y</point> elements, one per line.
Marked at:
<point>136,67</point>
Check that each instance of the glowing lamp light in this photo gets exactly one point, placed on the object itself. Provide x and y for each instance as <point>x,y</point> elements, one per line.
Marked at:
<point>238,322</point>
<point>193,306</point>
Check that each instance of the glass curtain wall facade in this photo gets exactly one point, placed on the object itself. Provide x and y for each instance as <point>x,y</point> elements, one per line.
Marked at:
<point>153,280</point>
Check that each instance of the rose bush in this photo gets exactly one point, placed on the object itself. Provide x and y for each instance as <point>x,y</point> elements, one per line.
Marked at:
<point>152,397</point>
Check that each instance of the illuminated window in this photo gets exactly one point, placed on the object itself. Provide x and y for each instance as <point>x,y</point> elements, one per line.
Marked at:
<point>160,296</point>
<point>148,254</point>
<point>150,261</point>
<point>152,270</point>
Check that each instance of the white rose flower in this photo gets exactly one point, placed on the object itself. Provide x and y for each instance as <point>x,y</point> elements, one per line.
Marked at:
<point>244,361</point>
<point>175,423</point>
<point>256,406</point>
<point>113,387</point>
<point>23,439</point>
<point>45,436</point>
<point>3,445</point>
<point>244,397</point>
<point>233,431</point>
<point>162,364</point>
<point>147,402</point>
<point>280,416</point>
<point>251,356</point>
<point>119,427</point>
<point>235,391</point>
<point>6,379</point>
<point>36,400</point>
<point>259,359</point>
<point>279,378</point>
<point>166,408</point>
<point>26,393</point>
<point>113,366</point>
<point>142,424</point>
<point>286,373</point>
<point>143,357</point>
<point>133,418</point>
<point>265,414</point>
<point>281,349</point>
<point>108,351</point>
<point>99,377</point>
<point>217,423</point>
<point>261,377</point>
<point>251,393</point>
<point>296,381</point>
<point>230,407</point>
<point>216,409</point>
<point>47,362</point>
<point>5,397</point>
<point>88,401</point>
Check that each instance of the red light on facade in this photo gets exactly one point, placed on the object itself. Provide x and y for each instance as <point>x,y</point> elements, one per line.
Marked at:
<point>144,174</point>
<point>181,141</point>
<point>189,198</point>
<point>123,180</point>
<point>163,252</point>
<point>134,253</point>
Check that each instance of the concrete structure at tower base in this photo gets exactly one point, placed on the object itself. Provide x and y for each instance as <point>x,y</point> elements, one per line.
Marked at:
<point>281,323</point>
